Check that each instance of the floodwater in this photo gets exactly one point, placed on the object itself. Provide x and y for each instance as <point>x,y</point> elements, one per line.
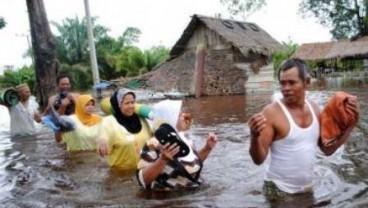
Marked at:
<point>36,172</point>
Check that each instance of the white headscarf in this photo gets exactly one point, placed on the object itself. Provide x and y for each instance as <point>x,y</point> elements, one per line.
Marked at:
<point>167,110</point>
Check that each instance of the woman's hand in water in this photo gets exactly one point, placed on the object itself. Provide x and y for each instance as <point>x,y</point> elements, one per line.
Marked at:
<point>103,149</point>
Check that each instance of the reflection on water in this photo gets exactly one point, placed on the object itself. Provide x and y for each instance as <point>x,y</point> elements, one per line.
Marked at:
<point>35,172</point>
<point>338,83</point>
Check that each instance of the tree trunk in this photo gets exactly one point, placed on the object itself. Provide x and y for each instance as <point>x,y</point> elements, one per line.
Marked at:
<point>44,45</point>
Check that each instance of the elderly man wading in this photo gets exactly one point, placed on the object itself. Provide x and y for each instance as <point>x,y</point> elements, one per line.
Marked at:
<point>25,114</point>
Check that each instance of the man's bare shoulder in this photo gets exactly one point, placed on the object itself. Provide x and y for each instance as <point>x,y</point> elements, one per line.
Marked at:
<point>315,107</point>
<point>52,98</point>
<point>50,102</point>
<point>271,110</point>
<point>75,96</point>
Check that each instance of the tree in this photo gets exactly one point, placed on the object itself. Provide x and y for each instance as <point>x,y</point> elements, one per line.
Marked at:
<point>288,49</point>
<point>111,54</point>
<point>72,41</point>
<point>133,61</point>
<point>44,44</point>
<point>243,7</point>
<point>155,56</point>
<point>130,36</point>
<point>73,52</point>
<point>81,78</point>
<point>2,22</point>
<point>12,77</point>
<point>345,18</point>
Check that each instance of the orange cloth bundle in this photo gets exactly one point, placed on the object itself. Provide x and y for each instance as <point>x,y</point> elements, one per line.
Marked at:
<point>335,119</point>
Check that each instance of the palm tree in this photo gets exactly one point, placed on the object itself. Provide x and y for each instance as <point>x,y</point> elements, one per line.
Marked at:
<point>288,49</point>
<point>72,41</point>
<point>135,62</point>
<point>155,56</point>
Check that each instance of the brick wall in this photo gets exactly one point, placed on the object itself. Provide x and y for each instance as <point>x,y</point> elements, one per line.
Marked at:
<point>222,74</point>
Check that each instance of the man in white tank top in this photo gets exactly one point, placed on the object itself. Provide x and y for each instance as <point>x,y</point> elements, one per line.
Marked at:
<point>289,128</point>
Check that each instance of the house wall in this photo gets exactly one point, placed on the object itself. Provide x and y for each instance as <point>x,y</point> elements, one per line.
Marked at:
<point>221,76</point>
<point>226,71</point>
<point>261,81</point>
<point>174,75</point>
<point>259,72</point>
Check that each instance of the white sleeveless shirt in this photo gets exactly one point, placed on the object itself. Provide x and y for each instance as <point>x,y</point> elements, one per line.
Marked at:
<point>293,157</point>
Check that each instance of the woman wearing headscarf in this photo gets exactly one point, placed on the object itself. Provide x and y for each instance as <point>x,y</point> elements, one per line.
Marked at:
<point>124,133</point>
<point>87,126</point>
<point>170,160</point>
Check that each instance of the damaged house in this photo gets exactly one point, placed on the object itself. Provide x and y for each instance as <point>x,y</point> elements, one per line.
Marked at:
<point>234,54</point>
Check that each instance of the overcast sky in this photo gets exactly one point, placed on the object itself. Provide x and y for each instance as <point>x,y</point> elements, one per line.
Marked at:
<point>160,21</point>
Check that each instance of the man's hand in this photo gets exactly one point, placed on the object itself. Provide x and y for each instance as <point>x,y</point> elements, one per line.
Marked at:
<point>352,107</point>
<point>66,101</point>
<point>257,123</point>
<point>37,117</point>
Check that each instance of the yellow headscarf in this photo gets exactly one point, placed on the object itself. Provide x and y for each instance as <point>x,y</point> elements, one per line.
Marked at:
<point>86,119</point>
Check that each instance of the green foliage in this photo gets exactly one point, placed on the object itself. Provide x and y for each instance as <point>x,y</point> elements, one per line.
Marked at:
<point>155,56</point>
<point>130,36</point>
<point>73,48</point>
<point>110,51</point>
<point>243,7</point>
<point>345,18</point>
<point>81,76</point>
<point>356,65</point>
<point>133,61</point>
<point>2,22</point>
<point>289,49</point>
<point>72,41</point>
<point>108,45</point>
<point>116,57</point>
<point>12,78</point>
<point>106,51</point>
<point>114,46</point>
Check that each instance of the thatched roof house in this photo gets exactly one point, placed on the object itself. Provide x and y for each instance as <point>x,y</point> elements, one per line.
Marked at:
<point>313,51</point>
<point>341,49</point>
<point>247,37</point>
<point>234,51</point>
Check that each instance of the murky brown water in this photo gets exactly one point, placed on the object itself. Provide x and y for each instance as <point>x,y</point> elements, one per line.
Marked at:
<point>35,172</point>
